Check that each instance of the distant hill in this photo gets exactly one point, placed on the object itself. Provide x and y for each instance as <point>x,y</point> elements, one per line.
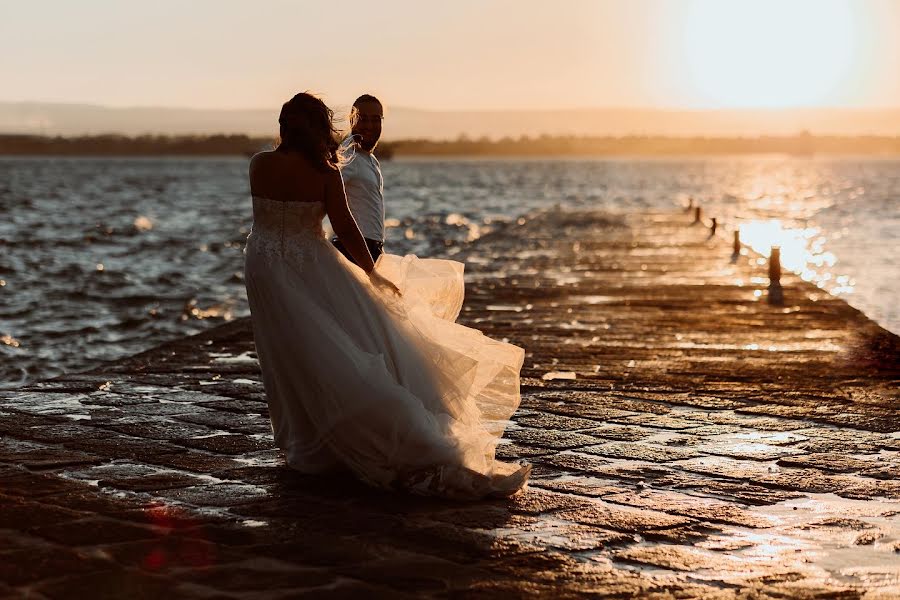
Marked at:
<point>407,123</point>
<point>802,145</point>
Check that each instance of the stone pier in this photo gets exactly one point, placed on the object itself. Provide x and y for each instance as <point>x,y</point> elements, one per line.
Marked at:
<point>689,440</point>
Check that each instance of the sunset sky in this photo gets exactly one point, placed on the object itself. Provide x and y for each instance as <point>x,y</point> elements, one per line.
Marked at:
<point>460,55</point>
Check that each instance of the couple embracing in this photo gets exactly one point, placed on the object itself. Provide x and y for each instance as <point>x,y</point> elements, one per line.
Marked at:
<point>364,366</point>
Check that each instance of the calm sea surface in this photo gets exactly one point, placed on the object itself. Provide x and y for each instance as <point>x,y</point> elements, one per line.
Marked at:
<point>102,258</point>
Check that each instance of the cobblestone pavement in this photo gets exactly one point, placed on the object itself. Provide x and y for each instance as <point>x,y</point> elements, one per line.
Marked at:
<point>689,440</point>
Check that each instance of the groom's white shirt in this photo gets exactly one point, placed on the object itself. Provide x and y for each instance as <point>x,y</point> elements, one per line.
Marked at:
<point>365,189</point>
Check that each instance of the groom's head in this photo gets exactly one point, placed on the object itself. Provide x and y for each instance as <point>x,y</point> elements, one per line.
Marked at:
<point>365,121</point>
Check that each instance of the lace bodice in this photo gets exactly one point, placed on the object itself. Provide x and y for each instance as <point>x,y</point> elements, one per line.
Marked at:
<point>286,229</point>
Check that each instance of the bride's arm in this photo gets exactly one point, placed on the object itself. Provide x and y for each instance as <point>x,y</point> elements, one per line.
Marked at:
<point>348,232</point>
<point>344,224</point>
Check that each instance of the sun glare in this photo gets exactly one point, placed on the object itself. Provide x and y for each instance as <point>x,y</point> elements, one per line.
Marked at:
<point>770,53</point>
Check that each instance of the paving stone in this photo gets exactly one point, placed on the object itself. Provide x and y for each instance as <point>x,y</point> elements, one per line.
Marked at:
<point>624,433</point>
<point>258,574</point>
<point>558,422</point>
<point>620,518</point>
<point>124,447</point>
<point>846,446</point>
<point>716,430</point>
<point>538,501</point>
<point>349,589</point>
<point>195,461</point>
<point>42,456</point>
<point>33,485</point>
<point>424,574</point>
<point>241,406</point>
<point>737,491</point>
<point>229,421</point>
<point>889,472</point>
<point>13,422</point>
<point>62,432</point>
<point>315,549</point>
<point>463,545</point>
<point>24,514</point>
<point>778,438</point>
<point>160,430</point>
<point>582,486</point>
<point>553,439</point>
<point>480,516</point>
<point>829,461</point>
<point>745,470</point>
<point>39,563</point>
<point>169,409</point>
<point>119,400</point>
<point>695,507</point>
<point>680,558</point>
<point>512,451</point>
<point>660,421</point>
<point>112,585</point>
<point>169,518</point>
<point>561,534</point>
<point>686,535</point>
<point>155,482</point>
<point>93,531</point>
<point>219,494</point>
<point>641,451</point>
<point>571,461</point>
<point>170,553</point>
<point>87,498</point>
<point>753,451</point>
<point>225,444</point>
<point>748,422</point>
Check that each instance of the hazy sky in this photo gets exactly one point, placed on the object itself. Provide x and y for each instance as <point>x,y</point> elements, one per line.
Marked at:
<point>459,54</point>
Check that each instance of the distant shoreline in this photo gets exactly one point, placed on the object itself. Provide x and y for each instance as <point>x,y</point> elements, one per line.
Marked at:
<point>801,145</point>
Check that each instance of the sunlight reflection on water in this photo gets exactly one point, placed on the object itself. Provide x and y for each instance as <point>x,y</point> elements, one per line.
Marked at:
<point>802,252</point>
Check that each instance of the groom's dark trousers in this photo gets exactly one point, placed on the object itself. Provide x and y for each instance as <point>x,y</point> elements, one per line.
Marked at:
<point>375,248</point>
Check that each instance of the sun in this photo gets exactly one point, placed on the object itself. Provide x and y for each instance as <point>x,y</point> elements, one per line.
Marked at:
<point>770,53</point>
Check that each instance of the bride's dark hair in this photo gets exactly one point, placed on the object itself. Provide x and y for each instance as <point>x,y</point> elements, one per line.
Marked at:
<point>306,126</point>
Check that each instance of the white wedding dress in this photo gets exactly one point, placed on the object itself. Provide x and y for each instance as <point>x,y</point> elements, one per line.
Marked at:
<point>391,388</point>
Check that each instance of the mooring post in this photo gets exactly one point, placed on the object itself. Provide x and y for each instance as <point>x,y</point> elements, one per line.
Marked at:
<point>712,229</point>
<point>698,213</point>
<point>775,266</point>
<point>736,246</point>
<point>776,293</point>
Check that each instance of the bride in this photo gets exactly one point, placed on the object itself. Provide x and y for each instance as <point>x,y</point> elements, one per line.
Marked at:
<point>365,368</point>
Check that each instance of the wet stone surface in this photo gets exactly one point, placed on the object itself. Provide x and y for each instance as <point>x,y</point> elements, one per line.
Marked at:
<point>688,440</point>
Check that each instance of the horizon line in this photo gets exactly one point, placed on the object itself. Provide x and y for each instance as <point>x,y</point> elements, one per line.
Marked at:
<point>389,107</point>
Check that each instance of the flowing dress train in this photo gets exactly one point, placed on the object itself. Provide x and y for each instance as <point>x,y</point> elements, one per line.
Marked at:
<point>391,388</point>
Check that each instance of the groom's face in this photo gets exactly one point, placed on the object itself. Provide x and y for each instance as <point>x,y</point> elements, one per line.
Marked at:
<point>366,123</point>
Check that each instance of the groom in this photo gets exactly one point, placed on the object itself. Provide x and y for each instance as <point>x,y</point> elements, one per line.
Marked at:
<point>362,174</point>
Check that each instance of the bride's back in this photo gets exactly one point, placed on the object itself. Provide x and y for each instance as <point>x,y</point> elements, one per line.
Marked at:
<point>286,177</point>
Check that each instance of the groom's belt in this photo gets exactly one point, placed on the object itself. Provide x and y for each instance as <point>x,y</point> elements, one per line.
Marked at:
<point>378,243</point>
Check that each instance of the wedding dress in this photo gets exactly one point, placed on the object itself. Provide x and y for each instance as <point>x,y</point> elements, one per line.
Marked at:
<point>356,377</point>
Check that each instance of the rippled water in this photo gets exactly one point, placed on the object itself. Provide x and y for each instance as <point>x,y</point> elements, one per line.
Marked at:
<point>102,258</point>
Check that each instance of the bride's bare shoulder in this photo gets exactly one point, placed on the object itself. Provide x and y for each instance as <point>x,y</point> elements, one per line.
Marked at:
<point>271,166</point>
<point>263,159</point>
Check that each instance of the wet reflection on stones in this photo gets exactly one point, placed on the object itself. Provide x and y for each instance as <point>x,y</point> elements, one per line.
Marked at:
<point>691,467</point>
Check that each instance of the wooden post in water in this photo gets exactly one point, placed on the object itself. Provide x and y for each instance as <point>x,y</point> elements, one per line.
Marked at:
<point>776,293</point>
<point>736,246</point>
<point>697,214</point>
<point>712,229</point>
